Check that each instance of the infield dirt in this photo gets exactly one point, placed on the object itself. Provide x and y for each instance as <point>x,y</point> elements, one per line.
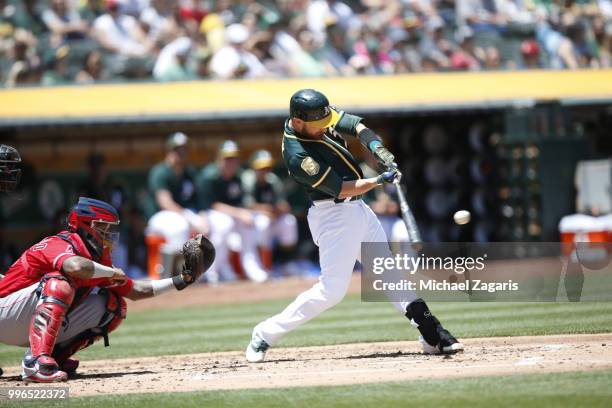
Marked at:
<point>338,364</point>
<point>325,365</point>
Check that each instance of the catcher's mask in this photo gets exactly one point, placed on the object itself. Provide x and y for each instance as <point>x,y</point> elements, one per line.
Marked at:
<point>97,223</point>
<point>10,173</point>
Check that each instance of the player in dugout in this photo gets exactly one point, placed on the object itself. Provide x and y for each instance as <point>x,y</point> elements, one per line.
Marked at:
<point>273,222</point>
<point>222,196</point>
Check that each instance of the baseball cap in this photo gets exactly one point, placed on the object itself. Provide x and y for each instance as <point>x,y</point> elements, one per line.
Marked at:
<point>262,159</point>
<point>229,149</point>
<point>211,22</point>
<point>313,107</point>
<point>111,4</point>
<point>176,140</point>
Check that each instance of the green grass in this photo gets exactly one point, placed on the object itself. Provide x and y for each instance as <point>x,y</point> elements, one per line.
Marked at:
<point>578,389</point>
<point>228,327</point>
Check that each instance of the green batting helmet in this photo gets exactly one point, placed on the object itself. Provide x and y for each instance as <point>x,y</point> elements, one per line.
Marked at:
<point>313,107</point>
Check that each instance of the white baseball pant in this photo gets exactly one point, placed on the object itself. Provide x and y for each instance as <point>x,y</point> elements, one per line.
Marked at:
<point>173,227</point>
<point>338,230</point>
<point>16,312</point>
<point>223,227</point>
<point>283,229</point>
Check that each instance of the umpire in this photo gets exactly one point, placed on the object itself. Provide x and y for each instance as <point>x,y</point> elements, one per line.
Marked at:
<point>10,173</point>
<point>318,158</point>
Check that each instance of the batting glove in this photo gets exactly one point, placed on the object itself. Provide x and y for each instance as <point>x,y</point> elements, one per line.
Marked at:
<point>384,156</point>
<point>389,176</point>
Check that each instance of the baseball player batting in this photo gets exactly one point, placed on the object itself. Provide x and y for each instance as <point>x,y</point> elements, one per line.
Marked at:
<point>47,298</point>
<point>318,158</point>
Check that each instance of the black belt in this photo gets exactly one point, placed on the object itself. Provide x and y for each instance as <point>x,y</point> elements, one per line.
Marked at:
<point>340,200</point>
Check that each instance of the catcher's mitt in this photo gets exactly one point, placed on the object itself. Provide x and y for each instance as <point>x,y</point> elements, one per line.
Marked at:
<point>199,254</point>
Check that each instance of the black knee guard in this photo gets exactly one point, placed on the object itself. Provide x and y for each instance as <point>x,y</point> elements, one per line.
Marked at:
<point>419,315</point>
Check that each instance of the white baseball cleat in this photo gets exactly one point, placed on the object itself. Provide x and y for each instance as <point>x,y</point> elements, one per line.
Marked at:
<point>450,347</point>
<point>256,350</point>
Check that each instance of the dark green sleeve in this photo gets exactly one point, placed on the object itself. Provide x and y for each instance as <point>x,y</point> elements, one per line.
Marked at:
<point>348,123</point>
<point>205,191</point>
<point>157,180</point>
<point>317,175</point>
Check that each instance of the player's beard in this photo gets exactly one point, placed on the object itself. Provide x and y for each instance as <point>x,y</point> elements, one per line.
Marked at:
<point>314,134</point>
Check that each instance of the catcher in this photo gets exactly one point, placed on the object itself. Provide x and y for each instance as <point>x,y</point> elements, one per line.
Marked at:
<point>63,293</point>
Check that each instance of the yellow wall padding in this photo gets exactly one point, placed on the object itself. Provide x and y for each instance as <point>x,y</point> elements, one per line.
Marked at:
<point>211,98</point>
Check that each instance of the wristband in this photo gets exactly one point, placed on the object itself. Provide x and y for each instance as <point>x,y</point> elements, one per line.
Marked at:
<point>101,271</point>
<point>162,285</point>
<point>374,144</point>
<point>178,282</point>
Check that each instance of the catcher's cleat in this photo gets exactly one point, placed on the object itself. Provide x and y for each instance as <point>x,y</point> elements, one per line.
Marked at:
<point>1,372</point>
<point>70,366</point>
<point>256,350</point>
<point>42,369</point>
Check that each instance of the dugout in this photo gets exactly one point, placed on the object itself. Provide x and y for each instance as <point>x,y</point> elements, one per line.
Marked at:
<point>502,144</point>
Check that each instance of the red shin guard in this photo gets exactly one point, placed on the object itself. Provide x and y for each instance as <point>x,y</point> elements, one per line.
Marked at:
<point>55,299</point>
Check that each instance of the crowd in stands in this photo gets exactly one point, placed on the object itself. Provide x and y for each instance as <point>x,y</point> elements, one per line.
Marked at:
<point>52,42</point>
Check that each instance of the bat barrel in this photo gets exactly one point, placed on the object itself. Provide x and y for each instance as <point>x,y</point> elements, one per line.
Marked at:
<point>413,230</point>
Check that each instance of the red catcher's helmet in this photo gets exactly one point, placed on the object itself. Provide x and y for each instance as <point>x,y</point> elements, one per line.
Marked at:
<point>97,223</point>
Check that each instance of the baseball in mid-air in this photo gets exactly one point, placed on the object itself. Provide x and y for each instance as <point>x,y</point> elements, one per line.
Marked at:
<point>462,217</point>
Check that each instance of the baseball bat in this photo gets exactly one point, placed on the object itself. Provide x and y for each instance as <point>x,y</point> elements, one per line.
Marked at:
<point>413,230</point>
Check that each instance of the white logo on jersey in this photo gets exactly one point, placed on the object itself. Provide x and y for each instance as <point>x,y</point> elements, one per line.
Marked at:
<point>187,189</point>
<point>41,245</point>
<point>310,166</point>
